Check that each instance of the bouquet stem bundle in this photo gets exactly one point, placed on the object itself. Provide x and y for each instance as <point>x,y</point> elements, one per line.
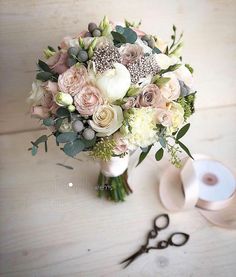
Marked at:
<point>113,188</point>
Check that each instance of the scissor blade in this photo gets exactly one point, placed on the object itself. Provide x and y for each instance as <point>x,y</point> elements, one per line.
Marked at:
<point>132,258</point>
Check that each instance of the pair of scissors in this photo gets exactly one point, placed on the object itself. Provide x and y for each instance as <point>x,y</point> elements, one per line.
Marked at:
<point>161,244</point>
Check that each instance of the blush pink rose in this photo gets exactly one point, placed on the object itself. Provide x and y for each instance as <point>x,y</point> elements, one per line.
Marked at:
<point>130,53</point>
<point>40,112</point>
<point>87,100</point>
<point>130,103</point>
<point>51,87</point>
<point>138,32</point>
<point>121,144</point>
<point>72,80</point>
<point>164,117</point>
<point>58,62</point>
<point>151,97</point>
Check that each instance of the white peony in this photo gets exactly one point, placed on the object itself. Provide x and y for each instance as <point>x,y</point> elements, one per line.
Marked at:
<point>36,93</point>
<point>114,83</point>
<point>107,119</point>
<point>177,116</point>
<point>171,90</point>
<point>146,49</point>
<point>183,74</point>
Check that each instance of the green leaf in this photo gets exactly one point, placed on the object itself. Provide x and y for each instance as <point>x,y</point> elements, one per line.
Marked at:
<point>51,48</point>
<point>162,142</point>
<point>40,140</point>
<point>184,147</point>
<point>156,50</point>
<point>42,65</point>
<point>66,137</point>
<point>143,155</point>
<point>89,143</point>
<point>130,35</point>
<point>62,112</point>
<point>170,68</point>
<point>34,150</point>
<point>73,148</point>
<point>159,154</point>
<point>182,131</point>
<point>46,146</point>
<point>119,29</point>
<point>58,122</point>
<point>118,37</point>
<point>189,67</point>
<point>44,76</point>
<point>48,122</point>
<point>160,82</point>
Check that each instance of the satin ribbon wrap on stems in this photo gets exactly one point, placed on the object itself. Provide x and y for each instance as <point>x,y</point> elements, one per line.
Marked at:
<point>112,180</point>
<point>203,183</point>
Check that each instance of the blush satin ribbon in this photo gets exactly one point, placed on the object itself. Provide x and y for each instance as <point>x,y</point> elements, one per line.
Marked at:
<point>214,196</point>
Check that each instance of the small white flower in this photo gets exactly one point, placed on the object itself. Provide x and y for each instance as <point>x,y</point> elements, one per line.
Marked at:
<point>36,93</point>
<point>163,60</point>
<point>63,99</point>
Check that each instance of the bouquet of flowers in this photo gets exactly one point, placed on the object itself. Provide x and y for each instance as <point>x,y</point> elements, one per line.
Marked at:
<point>110,90</point>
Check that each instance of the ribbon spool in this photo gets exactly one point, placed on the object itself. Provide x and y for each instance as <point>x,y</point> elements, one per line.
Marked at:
<point>204,183</point>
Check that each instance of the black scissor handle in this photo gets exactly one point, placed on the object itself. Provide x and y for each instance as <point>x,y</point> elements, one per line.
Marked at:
<point>183,239</point>
<point>159,224</point>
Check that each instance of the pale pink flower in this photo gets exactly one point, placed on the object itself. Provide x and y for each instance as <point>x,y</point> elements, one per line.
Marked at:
<point>73,80</point>
<point>164,117</point>
<point>130,103</point>
<point>87,100</point>
<point>130,53</point>
<point>40,112</point>
<point>121,144</point>
<point>138,32</point>
<point>50,86</point>
<point>171,90</point>
<point>151,97</point>
<point>58,62</point>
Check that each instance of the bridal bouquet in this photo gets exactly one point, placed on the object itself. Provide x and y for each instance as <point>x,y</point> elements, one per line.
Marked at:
<point>110,90</point>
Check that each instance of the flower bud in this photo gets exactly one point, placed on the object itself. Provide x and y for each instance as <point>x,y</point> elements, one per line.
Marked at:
<point>71,108</point>
<point>63,99</point>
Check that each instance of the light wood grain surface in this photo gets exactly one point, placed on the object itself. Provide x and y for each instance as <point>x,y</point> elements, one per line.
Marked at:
<point>50,229</point>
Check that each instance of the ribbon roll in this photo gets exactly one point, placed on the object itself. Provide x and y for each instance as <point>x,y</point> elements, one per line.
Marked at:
<point>204,183</point>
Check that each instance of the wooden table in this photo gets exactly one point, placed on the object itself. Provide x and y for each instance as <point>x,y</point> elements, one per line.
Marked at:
<point>50,229</point>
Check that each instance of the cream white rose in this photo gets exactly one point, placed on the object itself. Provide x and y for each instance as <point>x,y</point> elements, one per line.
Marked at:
<point>114,83</point>
<point>183,74</point>
<point>163,60</point>
<point>177,116</point>
<point>106,120</point>
<point>36,93</point>
<point>171,90</point>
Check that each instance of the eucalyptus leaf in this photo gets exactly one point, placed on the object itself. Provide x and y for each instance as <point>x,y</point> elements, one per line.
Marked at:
<point>41,139</point>
<point>156,50</point>
<point>42,65</point>
<point>144,154</point>
<point>159,154</point>
<point>119,38</point>
<point>48,122</point>
<point>58,122</point>
<point>89,143</point>
<point>162,142</point>
<point>130,35</point>
<point>119,29</point>
<point>73,148</point>
<point>62,112</point>
<point>66,137</point>
<point>44,76</point>
<point>182,131</point>
<point>34,150</point>
<point>186,150</point>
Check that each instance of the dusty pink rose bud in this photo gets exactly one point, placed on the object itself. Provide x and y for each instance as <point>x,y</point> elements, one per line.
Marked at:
<point>57,62</point>
<point>130,53</point>
<point>87,100</point>
<point>130,103</point>
<point>121,144</point>
<point>40,112</point>
<point>72,80</point>
<point>151,97</point>
<point>138,32</point>
<point>164,117</point>
<point>50,86</point>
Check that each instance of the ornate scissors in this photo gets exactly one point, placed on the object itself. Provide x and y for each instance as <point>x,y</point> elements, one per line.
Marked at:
<point>161,244</point>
